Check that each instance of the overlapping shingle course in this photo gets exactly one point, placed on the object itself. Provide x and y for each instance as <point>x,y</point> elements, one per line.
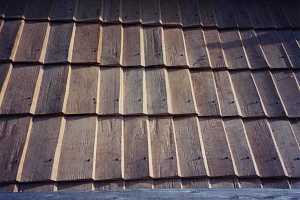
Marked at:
<point>105,95</point>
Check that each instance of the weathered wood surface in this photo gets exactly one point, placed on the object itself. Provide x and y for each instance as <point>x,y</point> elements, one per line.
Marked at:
<point>132,48</point>
<point>88,10</point>
<point>153,46</point>
<point>225,14</point>
<point>36,9</point>
<point>150,11</point>
<point>170,13</point>
<point>130,11</point>
<point>62,9</point>
<point>111,10</point>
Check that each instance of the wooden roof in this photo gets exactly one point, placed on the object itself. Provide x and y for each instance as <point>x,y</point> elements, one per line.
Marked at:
<point>110,94</point>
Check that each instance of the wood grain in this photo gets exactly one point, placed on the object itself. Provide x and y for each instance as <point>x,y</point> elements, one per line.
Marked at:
<point>41,148</point>
<point>163,153</point>
<point>132,46</point>
<point>259,14</point>
<point>59,43</point>
<point>32,42</point>
<point>156,88</point>
<point>170,13</point>
<point>110,97</point>
<point>5,70</point>
<point>153,46</point>
<point>18,96</point>
<point>207,13</point>
<point>63,9</point>
<point>182,99</point>
<point>196,48</point>
<point>82,96</point>
<point>217,153</point>
<point>150,11</point>
<point>86,43</point>
<point>52,90</point>
<point>111,45</point>
<point>77,148</point>
<point>189,147</point>
<point>225,14</point>
<point>130,11</point>
<point>13,133</point>
<point>242,17</point>
<point>88,10</point>
<point>108,149</point>
<point>136,159</point>
<point>190,15</point>
<point>111,10</point>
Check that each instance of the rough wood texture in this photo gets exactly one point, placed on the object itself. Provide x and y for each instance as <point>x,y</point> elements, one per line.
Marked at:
<point>136,160</point>
<point>88,10</point>
<point>242,18</point>
<point>132,46</point>
<point>9,36</point>
<point>207,13</point>
<point>4,73</point>
<point>196,48</point>
<point>108,149</point>
<point>62,9</point>
<point>225,14</point>
<point>110,10</point>
<point>150,11</point>
<point>163,153</point>
<point>259,15</point>
<point>13,134</point>
<point>32,42</point>
<point>215,51</point>
<point>289,92</point>
<point>110,97</point>
<point>182,99</point>
<point>227,100</point>
<point>36,9</point>
<point>189,147</point>
<point>170,13</point>
<point>130,11</point>
<point>156,88</point>
<point>39,155</point>
<point>247,94</point>
<point>111,45</point>
<point>86,43</point>
<point>240,151</point>
<point>175,53</point>
<point>153,46</point>
<point>233,50</point>
<point>216,149</point>
<point>59,43</point>
<point>190,14</point>
<point>82,96</point>
<point>52,90</point>
<point>18,96</point>
<point>263,148</point>
<point>77,148</point>
<point>205,93</point>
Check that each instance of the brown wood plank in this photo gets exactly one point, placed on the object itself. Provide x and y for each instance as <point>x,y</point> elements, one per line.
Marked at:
<point>9,37</point>
<point>170,13</point>
<point>273,49</point>
<point>130,11</point>
<point>235,57</point>
<point>58,47</point>
<point>253,50</point>
<point>292,48</point>
<point>174,47</point>
<point>136,160</point>
<point>153,46</point>
<point>205,93</point>
<point>156,88</point>
<point>62,9</point>
<point>190,14</point>
<point>227,100</point>
<point>86,43</point>
<point>111,11</point>
<point>110,91</point>
<point>88,10</point>
<point>111,45</point>
<point>32,42</point>
<point>196,48</point>
<point>241,15</point>
<point>15,9</point>
<point>77,149</point>
<point>36,9</point>
<point>18,97</point>
<point>263,148</point>
<point>216,148</point>
<point>5,70</point>
<point>133,90</point>
<point>52,90</point>
<point>207,13</point>
<point>268,94</point>
<point>163,157</point>
<point>240,151</point>
<point>132,46</point>
<point>41,148</point>
<point>215,51</point>
<point>13,135</point>
<point>108,149</point>
<point>189,147</point>
<point>82,95</point>
<point>246,93</point>
<point>150,11</point>
<point>287,146</point>
<point>259,14</point>
<point>182,99</point>
<point>288,90</point>
<point>225,15</point>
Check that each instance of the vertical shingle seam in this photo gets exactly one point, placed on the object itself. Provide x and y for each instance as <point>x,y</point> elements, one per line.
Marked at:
<point>176,148</point>
<point>45,44</point>
<point>17,41</point>
<point>99,44</point>
<point>259,96</point>
<point>95,151</point>
<point>244,49</point>
<point>71,45</point>
<point>5,84</point>
<point>202,147</point>
<point>37,89</point>
<point>67,89</point>
<point>235,96</point>
<point>122,149</point>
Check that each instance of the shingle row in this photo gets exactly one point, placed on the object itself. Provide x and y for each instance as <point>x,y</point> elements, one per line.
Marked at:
<point>187,13</point>
<point>157,91</point>
<point>116,45</point>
